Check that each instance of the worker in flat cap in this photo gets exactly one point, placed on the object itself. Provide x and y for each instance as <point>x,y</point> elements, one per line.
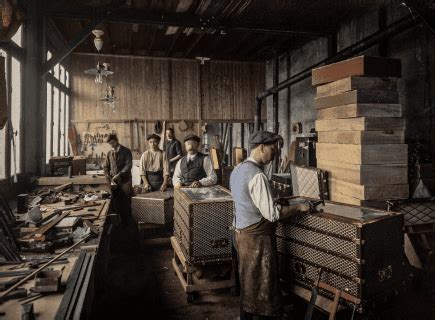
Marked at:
<point>254,222</point>
<point>154,166</point>
<point>194,169</point>
<point>117,169</point>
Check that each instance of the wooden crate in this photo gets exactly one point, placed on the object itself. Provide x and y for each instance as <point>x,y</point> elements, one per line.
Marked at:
<point>361,137</point>
<point>361,124</point>
<point>363,154</point>
<point>357,96</point>
<point>358,66</point>
<point>354,83</point>
<point>360,110</point>
<point>365,174</point>
<point>369,192</point>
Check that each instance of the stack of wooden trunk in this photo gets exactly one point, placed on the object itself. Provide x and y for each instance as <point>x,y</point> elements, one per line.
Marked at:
<point>361,130</point>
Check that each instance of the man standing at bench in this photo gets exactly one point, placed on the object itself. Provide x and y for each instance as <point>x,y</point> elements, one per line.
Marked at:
<point>255,214</point>
<point>117,169</point>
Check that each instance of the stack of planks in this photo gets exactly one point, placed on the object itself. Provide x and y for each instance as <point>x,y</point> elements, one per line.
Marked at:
<point>361,130</point>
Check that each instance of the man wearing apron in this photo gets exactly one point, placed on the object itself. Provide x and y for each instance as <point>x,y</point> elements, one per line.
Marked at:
<point>154,166</point>
<point>255,214</point>
<point>117,169</point>
<point>195,169</point>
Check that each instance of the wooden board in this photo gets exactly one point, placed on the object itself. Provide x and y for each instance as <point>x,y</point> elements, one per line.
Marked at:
<point>369,192</point>
<point>361,124</point>
<point>357,96</point>
<point>57,181</point>
<point>360,110</point>
<point>358,66</point>
<point>366,174</point>
<point>338,197</point>
<point>354,83</point>
<point>363,154</point>
<point>362,137</point>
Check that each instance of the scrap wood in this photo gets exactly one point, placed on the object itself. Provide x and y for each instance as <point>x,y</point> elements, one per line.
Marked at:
<point>31,275</point>
<point>48,226</point>
<point>63,187</point>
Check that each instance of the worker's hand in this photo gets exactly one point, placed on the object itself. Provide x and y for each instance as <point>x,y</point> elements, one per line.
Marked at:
<point>116,178</point>
<point>163,188</point>
<point>177,186</point>
<point>146,188</point>
<point>195,184</point>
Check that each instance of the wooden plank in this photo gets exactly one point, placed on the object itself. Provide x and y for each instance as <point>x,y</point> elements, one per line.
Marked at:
<point>63,187</point>
<point>369,192</point>
<point>360,110</point>
<point>358,66</point>
<point>366,174</point>
<point>338,197</point>
<point>41,231</point>
<point>361,124</point>
<point>55,181</point>
<point>363,154</point>
<point>356,83</point>
<point>357,96</point>
<point>362,137</point>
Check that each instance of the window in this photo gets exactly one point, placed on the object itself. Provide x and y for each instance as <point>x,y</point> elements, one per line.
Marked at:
<point>3,138</point>
<point>57,111</point>
<point>16,106</point>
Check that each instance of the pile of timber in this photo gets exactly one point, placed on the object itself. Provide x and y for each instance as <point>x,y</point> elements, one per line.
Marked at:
<point>361,130</point>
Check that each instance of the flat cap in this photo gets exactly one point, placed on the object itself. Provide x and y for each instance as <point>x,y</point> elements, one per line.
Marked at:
<point>193,137</point>
<point>263,137</point>
<point>153,136</point>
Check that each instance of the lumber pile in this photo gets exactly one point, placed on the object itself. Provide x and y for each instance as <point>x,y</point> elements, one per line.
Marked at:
<point>361,140</point>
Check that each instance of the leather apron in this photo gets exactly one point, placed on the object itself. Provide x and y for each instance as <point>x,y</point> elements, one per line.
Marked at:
<point>155,179</point>
<point>260,291</point>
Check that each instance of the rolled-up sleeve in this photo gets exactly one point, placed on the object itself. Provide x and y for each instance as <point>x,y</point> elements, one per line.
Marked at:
<point>261,195</point>
<point>142,164</point>
<point>211,177</point>
<point>165,164</point>
<point>176,179</point>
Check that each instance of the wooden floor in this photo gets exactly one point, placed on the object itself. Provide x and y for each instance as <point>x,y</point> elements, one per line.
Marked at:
<point>144,282</point>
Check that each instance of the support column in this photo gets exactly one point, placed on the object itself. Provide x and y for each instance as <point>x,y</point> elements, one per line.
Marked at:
<point>32,121</point>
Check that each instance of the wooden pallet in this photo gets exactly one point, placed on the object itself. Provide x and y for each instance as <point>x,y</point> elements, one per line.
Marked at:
<point>190,285</point>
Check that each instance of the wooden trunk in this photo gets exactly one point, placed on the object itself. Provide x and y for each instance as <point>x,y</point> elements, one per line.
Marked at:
<point>366,174</point>
<point>358,66</point>
<point>360,110</point>
<point>354,83</point>
<point>363,154</point>
<point>362,137</point>
<point>369,192</point>
<point>357,96</point>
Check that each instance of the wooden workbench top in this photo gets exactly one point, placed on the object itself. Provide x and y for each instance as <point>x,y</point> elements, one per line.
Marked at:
<point>84,179</point>
<point>45,307</point>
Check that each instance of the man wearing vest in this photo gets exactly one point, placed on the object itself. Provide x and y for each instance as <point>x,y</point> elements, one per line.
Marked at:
<point>195,169</point>
<point>255,214</point>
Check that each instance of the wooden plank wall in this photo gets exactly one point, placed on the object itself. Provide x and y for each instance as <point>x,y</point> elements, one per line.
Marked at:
<point>150,89</point>
<point>162,89</point>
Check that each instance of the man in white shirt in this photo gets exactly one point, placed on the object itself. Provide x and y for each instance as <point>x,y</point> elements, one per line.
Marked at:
<point>255,214</point>
<point>195,169</point>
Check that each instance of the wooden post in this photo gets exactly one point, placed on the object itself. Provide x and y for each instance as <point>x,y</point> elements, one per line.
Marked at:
<point>32,122</point>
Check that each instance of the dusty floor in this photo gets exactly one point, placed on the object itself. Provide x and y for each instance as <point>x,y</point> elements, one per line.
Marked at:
<point>143,284</point>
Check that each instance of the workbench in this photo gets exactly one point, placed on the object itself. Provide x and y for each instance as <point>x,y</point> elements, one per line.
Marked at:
<point>47,306</point>
<point>88,179</point>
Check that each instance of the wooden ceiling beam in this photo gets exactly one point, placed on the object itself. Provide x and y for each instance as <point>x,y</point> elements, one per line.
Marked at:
<point>186,20</point>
